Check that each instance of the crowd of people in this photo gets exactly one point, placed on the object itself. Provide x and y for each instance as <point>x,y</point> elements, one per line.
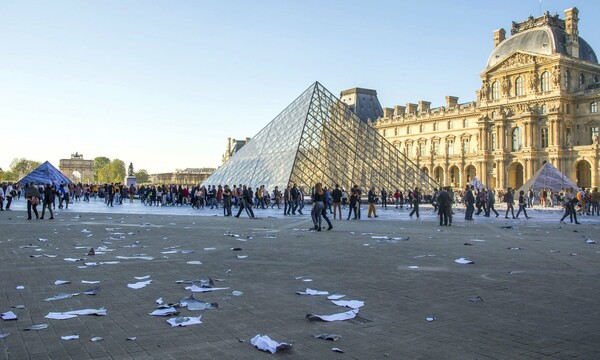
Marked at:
<point>292,199</point>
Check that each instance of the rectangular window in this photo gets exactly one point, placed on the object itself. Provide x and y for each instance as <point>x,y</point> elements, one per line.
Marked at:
<point>493,141</point>
<point>449,124</point>
<point>544,138</point>
<point>450,147</point>
<point>594,133</point>
<point>422,149</point>
<point>436,148</point>
<point>409,150</point>
<point>594,107</point>
<point>465,145</point>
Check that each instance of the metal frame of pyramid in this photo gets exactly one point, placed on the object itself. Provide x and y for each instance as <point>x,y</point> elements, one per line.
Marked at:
<point>548,177</point>
<point>318,138</point>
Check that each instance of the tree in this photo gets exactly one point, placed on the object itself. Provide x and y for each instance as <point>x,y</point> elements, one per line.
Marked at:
<point>117,170</point>
<point>22,166</point>
<point>9,176</point>
<point>112,172</point>
<point>99,162</point>
<point>142,176</point>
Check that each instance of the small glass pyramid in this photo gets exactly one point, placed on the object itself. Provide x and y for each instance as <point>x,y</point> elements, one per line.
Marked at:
<point>317,138</point>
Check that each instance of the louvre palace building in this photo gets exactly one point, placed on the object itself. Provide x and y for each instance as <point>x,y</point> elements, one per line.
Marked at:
<point>538,103</point>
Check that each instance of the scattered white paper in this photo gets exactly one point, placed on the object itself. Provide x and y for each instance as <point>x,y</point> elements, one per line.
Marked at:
<point>337,350</point>
<point>413,267</point>
<point>335,296</point>
<point>96,338</point>
<point>139,285</point>
<point>352,304</point>
<point>464,261</point>
<point>209,248</point>
<point>20,287</point>
<point>61,296</point>
<point>194,262</point>
<point>2,336</point>
<point>90,281</point>
<point>242,256</point>
<point>134,257</point>
<point>37,327</point>
<point>309,291</point>
<point>185,321</point>
<point>264,343</point>
<point>196,288</point>
<point>164,312</point>
<point>159,301</point>
<point>70,337</point>
<point>307,280</point>
<point>430,318</point>
<point>334,317</point>
<point>72,259</point>
<point>75,313</point>
<point>237,293</point>
<point>142,277</point>
<point>9,315</point>
<point>61,282</point>
<point>590,241</point>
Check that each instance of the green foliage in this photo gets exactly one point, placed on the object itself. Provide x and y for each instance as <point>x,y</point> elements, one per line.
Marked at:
<point>111,172</point>
<point>22,166</point>
<point>9,176</point>
<point>99,162</point>
<point>142,176</point>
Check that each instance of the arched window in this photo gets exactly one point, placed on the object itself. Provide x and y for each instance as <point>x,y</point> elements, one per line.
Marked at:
<point>567,79</point>
<point>495,90</point>
<point>545,79</point>
<point>581,80</point>
<point>516,140</point>
<point>519,87</point>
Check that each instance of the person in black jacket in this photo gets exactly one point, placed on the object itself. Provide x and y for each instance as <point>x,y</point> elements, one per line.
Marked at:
<point>522,204</point>
<point>48,200</point>
<point>336,195</point>
<point>469,203</point>
<point>246,202</point>
<point>444,204</point>
<point>371,200</point>
<point>509,199</point>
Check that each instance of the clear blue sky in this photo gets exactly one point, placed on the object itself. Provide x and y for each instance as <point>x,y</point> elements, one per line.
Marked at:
<point>163,84</point>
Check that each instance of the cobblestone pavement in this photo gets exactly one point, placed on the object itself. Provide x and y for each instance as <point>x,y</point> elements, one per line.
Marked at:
<point>538,282</point>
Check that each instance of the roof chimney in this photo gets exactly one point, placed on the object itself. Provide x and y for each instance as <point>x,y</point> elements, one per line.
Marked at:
<point>411,108</point>
<point>499,36</point>
<point>451,101</point>
<point>572,30</point>
<point>399,110</point>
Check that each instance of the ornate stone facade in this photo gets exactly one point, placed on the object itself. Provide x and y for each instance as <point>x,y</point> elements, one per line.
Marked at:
<point>538,102</point>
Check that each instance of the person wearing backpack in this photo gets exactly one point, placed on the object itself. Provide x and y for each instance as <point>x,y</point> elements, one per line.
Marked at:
<point>509,199</point>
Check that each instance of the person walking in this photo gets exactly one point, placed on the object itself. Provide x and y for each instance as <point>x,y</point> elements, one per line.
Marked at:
<point>594,197</point>
<point>384,198</point>
<point>469,200</point>
<point>287,201</point>
<point>353,201</point>
<point>569,202</point>
<point>416,195</point>
<point>318,206</point>
<point>509,199</point>
<point>522,204</point>
<point>10,192</point>
<point>32,194</point>
<point>47,202</point>
<point>490,200</point>
<point>371,200</point>
<point>246,203</point>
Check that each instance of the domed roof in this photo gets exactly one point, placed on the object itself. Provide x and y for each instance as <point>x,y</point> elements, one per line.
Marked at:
<point>544,40</point>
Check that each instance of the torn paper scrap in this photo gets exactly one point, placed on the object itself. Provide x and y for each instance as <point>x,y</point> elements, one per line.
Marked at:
<point>242,256</point>
<point>331,337</point>
<point>89,281</point>
<point>334,317</point>
<point>264,343</point>
<point>70,337</point>
<point>309,291</point>
<point>337,350</point>
<point>75,313</point>
<point>185,321</point>
<point>2,336</point>
<point>352,304</point>
<point>237,293</point>
<point>9,315</point>
<point>134,257</point>
<point>96,338</point>
<point>20,287</point>
<point>92,291</point>
<point>61,282</point>
<point>462,260</point>
<point>142,277</point>
<point>335,296</point>
<point>165,312</point>
<point>430,318</point>
<point>72,259</point>
<point>139,285</point>
<point>37,327</point>
<point>196,288</point>
<point>159,301</point>
<point>61,296</point>
<point>194,262</point>
<point>195,304</point>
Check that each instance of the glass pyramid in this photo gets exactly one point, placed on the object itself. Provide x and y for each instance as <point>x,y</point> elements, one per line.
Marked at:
<point>317,138</point>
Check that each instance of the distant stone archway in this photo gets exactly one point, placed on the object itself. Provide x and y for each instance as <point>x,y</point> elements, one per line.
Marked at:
<point>438,175</point>
<point>470,173</point>
<point>583,172</point>
<point>515,175</point>
<point>454,174</point>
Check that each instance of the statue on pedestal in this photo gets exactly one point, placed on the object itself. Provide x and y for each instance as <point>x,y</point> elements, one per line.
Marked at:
<point>130,171</point>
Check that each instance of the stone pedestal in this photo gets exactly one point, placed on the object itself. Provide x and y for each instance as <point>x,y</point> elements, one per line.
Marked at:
<point>130,180</point>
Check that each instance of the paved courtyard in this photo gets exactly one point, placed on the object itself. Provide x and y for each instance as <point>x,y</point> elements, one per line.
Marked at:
<point>531,293</point>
